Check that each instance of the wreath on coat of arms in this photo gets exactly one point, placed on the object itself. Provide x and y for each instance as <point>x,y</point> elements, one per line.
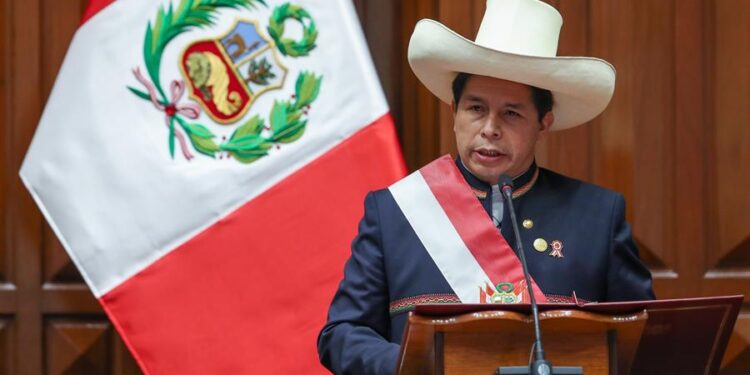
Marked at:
<point>226,75</point>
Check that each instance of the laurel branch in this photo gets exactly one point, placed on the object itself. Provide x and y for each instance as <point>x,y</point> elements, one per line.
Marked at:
<point>248,142</point>
<point>288,46</point>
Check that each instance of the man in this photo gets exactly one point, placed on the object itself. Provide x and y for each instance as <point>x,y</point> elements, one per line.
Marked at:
<point>442,234</point>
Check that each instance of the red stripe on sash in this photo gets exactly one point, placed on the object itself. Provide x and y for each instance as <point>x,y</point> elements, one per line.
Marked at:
<point>475,227</point>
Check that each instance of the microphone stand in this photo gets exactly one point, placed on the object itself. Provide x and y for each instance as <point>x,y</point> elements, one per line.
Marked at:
<point>539,366</point>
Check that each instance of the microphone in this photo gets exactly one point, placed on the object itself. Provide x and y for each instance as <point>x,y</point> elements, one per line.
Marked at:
<point>539,366</point>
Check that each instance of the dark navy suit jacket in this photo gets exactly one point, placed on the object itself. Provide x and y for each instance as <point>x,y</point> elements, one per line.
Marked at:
<point>390,271</point>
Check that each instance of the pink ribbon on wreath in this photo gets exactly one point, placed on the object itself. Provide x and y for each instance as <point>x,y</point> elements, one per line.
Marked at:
<point>177,89</point>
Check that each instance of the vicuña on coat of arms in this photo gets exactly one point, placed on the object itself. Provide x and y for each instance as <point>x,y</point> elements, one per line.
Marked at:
<point>223,76</point>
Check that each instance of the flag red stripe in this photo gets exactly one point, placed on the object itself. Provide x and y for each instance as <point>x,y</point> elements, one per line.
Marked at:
<point>94,7</point>
<point>261,278</point>
<point>473,224</point>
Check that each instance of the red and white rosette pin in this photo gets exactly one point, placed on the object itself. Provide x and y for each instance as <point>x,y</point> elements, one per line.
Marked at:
<point>557,247</point>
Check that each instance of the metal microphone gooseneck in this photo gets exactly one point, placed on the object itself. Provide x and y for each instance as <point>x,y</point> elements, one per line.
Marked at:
<point>539,365</point>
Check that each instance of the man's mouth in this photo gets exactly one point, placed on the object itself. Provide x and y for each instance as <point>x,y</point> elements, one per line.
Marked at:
<point>489,153</point>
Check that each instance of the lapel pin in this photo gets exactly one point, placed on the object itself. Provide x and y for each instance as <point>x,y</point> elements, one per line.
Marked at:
<point>557,247</point>
<point>540,245</point>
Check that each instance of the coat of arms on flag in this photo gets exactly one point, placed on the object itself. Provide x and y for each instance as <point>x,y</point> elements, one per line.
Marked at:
<point>225,75</point>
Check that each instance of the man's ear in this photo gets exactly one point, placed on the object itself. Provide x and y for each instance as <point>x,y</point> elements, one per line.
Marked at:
<point>546,123</point>
<point>453,110</point>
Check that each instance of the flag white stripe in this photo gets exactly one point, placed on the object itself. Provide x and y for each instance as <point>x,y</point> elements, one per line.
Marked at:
<point>439,237</point>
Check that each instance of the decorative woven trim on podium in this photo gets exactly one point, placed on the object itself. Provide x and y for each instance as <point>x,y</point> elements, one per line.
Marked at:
<point>407,304</point>
<point>554,298</point>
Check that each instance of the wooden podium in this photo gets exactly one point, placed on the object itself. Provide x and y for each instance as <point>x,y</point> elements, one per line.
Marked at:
<point>686,336</point>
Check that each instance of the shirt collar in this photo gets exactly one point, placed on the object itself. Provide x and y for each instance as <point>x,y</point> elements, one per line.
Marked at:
<point>521,183</point>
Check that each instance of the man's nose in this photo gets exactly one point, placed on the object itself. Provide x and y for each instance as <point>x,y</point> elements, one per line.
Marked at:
<point>492,127</point>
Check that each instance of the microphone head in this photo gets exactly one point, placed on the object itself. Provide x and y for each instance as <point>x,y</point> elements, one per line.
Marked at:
<point>504,181</point>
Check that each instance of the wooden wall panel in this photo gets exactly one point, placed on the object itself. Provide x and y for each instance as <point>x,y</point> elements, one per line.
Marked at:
<point>380,23</point>
<point>459,16</point>
<point>692,30</point>
<point>7,288</point>
<point>6,347</point>
<point>570,150</point>
<point>610,37</point>
<point>727,251</point>
<point>420,137</point>
<point>5,155</point>
<point>24,220</point>
<point>731,136</point>
<point>75,347</point>
<point>651,150</point>
<point>38,283</point>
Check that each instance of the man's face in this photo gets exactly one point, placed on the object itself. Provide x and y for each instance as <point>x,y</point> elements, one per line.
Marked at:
<point>497,127</point>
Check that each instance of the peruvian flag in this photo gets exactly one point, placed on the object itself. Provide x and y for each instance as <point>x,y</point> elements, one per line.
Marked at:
<point>204,164</point>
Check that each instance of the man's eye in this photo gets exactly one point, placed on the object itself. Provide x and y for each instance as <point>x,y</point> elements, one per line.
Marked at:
<point>512,113</point>
<point>476,108</point>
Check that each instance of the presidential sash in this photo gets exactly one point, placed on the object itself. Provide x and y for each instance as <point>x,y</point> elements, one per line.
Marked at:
<point>460,237</point>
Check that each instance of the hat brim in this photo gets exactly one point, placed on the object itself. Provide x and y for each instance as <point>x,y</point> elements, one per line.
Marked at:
<point>581,86</point>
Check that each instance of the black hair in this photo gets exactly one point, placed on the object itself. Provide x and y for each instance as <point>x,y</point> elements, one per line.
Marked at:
<point>541,98</point>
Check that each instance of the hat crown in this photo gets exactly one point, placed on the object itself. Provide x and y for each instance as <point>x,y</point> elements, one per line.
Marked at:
<point>524,27</point>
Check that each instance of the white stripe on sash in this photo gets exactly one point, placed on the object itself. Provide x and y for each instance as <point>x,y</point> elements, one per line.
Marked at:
<point>439,237</point>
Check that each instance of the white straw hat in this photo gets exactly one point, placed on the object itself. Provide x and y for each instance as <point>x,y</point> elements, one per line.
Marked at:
<point>517,41</point>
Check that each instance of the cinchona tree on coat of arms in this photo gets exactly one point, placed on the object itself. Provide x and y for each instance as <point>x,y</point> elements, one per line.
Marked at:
<point>225,75</point>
